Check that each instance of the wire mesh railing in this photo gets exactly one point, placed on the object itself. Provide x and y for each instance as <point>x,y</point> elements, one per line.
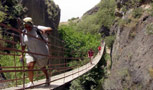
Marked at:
<point>13,72</point>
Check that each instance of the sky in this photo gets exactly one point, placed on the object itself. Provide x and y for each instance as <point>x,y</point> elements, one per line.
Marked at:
<point>74,8</point>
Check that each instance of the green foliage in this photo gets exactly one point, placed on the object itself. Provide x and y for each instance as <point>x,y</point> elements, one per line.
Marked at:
<point>137,12</point>
<point>78,41</point>
<point>149,29</point>
<point>76,85</point>
<point>106,12</point>
<point>92,80</point>
<point>124,9</point>
<point>73,64</point>
<point>10,10</point>
<point>123,22</point>
<point>73,19</point>
<point>2,16</point>
<point>150,10</point>
<point>52,9</point>
<point>132,3</point>
<point>109,41</point>
<point>135,2</point>
<point>9,61</point>
<point>132,34</point>
<point>104,16</point>
<point>78,63</point>
<point>107,57</point>
<point>88,24</point>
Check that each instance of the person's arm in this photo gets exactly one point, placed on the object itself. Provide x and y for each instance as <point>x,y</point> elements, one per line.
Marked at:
<point>23,46</point>
<point>45,29</point>
<point>23,49</point>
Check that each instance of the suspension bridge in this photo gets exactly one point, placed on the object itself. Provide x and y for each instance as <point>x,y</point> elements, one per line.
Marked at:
<point>58,66</point>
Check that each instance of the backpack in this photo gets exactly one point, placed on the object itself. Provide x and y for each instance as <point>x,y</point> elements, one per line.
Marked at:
<point>44,38</point>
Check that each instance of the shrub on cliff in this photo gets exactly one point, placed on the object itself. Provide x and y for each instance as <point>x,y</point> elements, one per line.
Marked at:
<point>78,41</point>
<point>109,41</point>
<point>104,16</point>
<point>10,10</point>
<point>137,12</point>
<point>149,29</point>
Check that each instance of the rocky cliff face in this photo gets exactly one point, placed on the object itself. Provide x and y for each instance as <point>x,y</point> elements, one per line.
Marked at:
<point>43,12</point>
<point>131,3</point>
<point>132,55</point>
<point>92,11</point>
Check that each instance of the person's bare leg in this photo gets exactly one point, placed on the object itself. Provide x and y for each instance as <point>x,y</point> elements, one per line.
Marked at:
<point>90,60</point>
<point>45,72</point>
<point>47,76</point>
<point>31,73</point>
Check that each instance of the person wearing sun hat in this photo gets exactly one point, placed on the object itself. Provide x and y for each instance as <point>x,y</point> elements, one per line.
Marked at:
<point>35,46</point>
<point>27,19</point>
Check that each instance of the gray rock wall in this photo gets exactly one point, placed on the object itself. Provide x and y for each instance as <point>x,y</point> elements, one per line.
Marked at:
<point>132,58</point>
<point>43,12</point>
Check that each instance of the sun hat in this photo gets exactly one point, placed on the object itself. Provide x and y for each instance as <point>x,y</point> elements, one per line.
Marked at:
<point>27,20</point>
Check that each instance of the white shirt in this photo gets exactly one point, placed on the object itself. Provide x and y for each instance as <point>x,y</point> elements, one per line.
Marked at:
<point>35,45</point>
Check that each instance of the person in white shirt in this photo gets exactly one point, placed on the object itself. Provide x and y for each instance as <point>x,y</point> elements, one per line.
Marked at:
<point>36,46</point>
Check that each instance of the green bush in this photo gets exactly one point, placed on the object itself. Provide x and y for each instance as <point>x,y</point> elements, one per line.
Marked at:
<point>123,22</point>
<point>132,3</point>
<point>149,29</point>
<point>137,12</point>
<point>76,85</point>
<point>9,61</point>
<point>2,16</point>
<point>150,10</point>
<point>10,10</point>
<point>52,9</point>
<point>78,41</point>
<point>109,41</point>
<point>104,16</point>
<point>92,80</point>
<point>73,64</point>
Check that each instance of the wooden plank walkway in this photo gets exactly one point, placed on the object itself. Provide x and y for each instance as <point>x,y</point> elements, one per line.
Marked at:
<point>69,76</point>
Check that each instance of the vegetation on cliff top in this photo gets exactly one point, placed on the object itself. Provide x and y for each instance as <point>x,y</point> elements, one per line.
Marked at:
<point>10,10</point>
<point>104,16</point>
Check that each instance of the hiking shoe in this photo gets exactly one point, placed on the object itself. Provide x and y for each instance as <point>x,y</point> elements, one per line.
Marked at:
<point>47,82</point>
<point>30,84</point>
